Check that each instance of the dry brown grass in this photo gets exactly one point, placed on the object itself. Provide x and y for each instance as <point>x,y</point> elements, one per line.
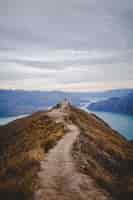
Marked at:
<point>99,152</point>
<point>103,154</point>
<point>23,143</point>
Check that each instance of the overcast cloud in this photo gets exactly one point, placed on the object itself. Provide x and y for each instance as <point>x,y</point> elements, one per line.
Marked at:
<point>67,45</point>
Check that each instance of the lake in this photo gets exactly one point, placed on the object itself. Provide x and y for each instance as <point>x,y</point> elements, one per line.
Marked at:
<point>120,122</point>
<point>6,120</point>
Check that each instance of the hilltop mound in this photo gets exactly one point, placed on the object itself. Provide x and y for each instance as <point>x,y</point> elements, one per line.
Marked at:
<point>96,152</point>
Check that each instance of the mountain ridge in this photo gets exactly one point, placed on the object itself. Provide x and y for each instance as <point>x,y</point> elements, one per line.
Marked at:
<point>97,152</point>
<point>117,105</point>
<point>18,102</point>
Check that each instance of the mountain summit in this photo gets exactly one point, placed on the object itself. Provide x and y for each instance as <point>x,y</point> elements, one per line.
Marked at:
<point>66,154</point>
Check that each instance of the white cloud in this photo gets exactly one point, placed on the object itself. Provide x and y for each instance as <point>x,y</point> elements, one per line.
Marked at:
<point>66,45</point>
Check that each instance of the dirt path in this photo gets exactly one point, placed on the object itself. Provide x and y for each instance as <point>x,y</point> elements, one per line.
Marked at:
<point>58,176</point>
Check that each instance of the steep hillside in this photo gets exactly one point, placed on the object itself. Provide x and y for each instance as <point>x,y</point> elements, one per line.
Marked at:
<point>64,153</point>
<point>118,105</point>
<point>23,144</point>
<point>104,154</point>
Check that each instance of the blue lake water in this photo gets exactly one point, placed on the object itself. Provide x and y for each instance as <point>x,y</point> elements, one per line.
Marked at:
<point>120,122</point>
<point>6,120</point>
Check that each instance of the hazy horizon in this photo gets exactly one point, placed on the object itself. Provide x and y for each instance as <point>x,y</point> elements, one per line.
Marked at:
<point>68,91</point>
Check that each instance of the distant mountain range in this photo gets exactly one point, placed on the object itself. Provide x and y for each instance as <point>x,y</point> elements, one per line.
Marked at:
<point>116,104</point>
<point>17,102</point>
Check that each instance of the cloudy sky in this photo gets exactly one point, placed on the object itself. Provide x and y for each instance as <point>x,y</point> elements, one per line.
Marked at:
<point>72,45</point>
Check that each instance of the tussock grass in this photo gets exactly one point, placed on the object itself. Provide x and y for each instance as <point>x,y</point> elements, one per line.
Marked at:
<point>23,143</point>
<point>104,154</point>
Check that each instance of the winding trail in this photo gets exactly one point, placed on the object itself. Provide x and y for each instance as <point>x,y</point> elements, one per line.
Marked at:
<point>58,176</point>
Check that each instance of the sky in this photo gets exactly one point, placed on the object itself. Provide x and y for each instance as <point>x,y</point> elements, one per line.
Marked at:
<point>73,45</point>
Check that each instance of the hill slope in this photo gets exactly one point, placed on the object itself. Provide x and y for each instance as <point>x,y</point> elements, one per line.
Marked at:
<point>89,159</point>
